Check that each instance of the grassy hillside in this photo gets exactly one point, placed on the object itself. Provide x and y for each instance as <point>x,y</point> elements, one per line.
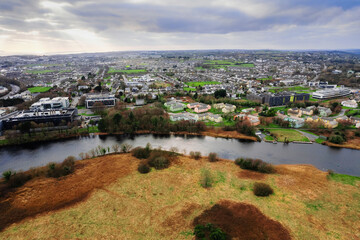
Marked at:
<point>106,198</point>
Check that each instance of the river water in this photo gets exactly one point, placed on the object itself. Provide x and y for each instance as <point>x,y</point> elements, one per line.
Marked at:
<point>340,160</point>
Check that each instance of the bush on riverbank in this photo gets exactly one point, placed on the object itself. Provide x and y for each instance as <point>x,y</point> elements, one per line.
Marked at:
<point>262,189</point>
<point>156,158</point>
<point>213,157</point>
<point>56,170</point>
<point>255,165</point>
<point>195,155</point>
<point>143,168</point>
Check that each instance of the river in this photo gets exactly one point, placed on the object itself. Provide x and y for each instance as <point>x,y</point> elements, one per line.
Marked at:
<point>340,160</point>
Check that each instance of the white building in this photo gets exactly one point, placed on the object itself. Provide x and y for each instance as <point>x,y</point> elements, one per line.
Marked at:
<point>47,103</point>
<point>350,103</point>
<point>106,99</point>
<point>331,93</point>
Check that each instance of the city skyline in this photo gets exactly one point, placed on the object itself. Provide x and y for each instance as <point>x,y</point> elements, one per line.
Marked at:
<point>46,27</point>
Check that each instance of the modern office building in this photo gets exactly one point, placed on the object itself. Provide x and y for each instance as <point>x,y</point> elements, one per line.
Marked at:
<point>331,93</point>
<point>54,116</point>
<point>278,99</point>
<point>106,99</point>
<point>47,103</point>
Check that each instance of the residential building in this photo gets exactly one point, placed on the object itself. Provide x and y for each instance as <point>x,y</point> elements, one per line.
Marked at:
<point>199,107</point>
<point>294,112</point>
<point>225,108</point>
<point>254,120</point>
<point>175,106</point>
<point>307,111</point>
<point>324,111</point>
<point>295,122</point>
<point>329,122</point>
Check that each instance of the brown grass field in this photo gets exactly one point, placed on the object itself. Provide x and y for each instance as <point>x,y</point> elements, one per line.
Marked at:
<point>106,198</point>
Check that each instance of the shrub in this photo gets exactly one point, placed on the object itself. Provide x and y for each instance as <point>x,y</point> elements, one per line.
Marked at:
<point>18,179</point>
<point>337,139</point>
<point>57,170</point>
<point>206,180</point>
<point>213,157</point>
<point>255,165</point>
<point>125,148</point>
<point>143,168</point>
<point>7,174</point>
<point>141,153</point>
<point>209,231</point>
<point>195,155</point>
<point>262,189</point>
<point>160,162</point>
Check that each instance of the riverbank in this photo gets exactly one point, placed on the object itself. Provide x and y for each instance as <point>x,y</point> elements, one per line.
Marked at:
<point>83,132</point>
<point>351,144</point>
<point>210,132</point>
<point>107,192</point>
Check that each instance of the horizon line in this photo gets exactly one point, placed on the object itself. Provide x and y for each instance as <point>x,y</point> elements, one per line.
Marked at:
<point>4,54</point>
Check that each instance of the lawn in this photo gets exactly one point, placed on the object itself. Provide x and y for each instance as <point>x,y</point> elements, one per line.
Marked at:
<point>345,179</point>
<point>39,71</point>
<point>196,84</point>
<point>320,140</point>
<point>306,131</point>
<point>269,138</point>
<point>224,64</point>
<point>298,89</point>
<point>126,71</point>
<point>265,79</point>
<point>39,89</point>
<point>65,71</point>
<point>288,134</point>
<point>189,89</point>
<point>92,129</point>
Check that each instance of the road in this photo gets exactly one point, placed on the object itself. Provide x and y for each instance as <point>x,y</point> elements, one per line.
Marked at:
<point>14,89</point>
<point>311,137</point>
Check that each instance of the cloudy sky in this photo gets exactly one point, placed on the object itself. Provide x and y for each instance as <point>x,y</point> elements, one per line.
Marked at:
<point>43,27</point>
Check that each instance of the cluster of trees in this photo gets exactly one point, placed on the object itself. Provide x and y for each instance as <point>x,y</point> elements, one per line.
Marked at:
<point>145,118</point>
<point>268,112</point>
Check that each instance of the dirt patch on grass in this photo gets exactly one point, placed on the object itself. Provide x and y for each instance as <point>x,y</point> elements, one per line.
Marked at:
<point>304,179</point>
<point>251,175</point>
<point>242,221</point>
<point>46,194</point>
<point>180,218</point>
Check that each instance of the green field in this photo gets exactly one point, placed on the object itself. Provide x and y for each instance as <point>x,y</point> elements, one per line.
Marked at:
<point>65,71</point>
<point>288,134</point>
<point>265,79</point>
<point>269,138</point>
<point>189,89</point>
<point>196,84</point>
<point>298,89</point>
<point>129,71</point>
<point>39,71</point>
<point>39,89</point>
<point>224,64</point>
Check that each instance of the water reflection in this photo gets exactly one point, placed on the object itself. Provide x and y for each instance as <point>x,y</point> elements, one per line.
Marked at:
<point>340,160</point>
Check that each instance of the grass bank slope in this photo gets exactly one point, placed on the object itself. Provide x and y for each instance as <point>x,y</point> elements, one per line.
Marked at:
<point>106,198</point>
